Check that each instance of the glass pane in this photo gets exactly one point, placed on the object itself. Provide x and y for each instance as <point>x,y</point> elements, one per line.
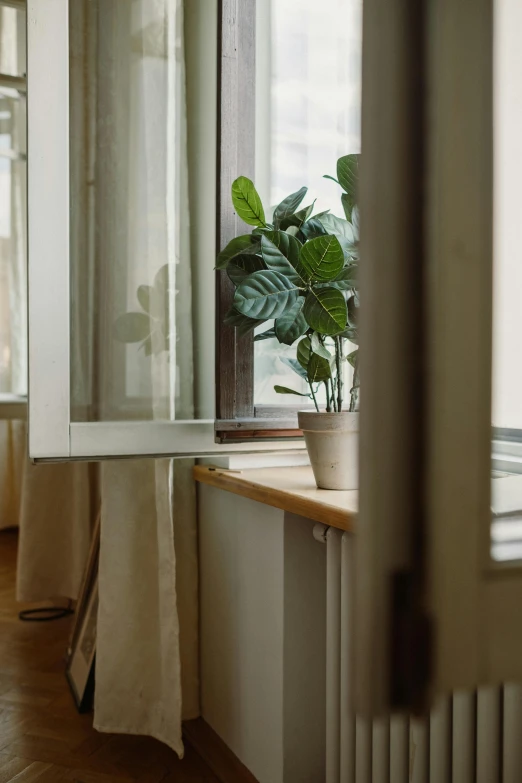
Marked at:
<point>131,330</point>
<point>308,95</point>
<point>13,211</point>
<point>506,537</point>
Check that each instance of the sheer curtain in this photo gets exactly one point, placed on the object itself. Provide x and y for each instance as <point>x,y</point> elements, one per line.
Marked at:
<point>130,254</point>
<point>132,350</point>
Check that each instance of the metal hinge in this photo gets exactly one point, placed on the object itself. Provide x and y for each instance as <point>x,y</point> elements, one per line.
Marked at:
<point>412,645</point>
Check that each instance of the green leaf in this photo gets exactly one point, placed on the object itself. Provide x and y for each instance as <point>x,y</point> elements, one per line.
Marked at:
<point>328,176</point>
<point>322,258</point>
<point>287,244</point>
<point>143,294</point>
<point>286,390</point>
<point>353,357</point>
<point>247,202</point>
<point>266,294</point>
<point>268,335</point>
<point>131,328</point>
<point>319,369</point>
<point>346,280</point>
<point>348,175</point>
<point>346,201</point>
<point>355,222</point>
<point>344,232</point>
<point>237,246</point>
<point>297,220</point>
<point>295,366</point>
<point>292,324</point>
<point>288,206</point>
<point>353,306</point>
<point>338,227</point>
<point>243,266</point>
<point>320,215</point>
<point>304,351</point>
<point>351,335</point>
<point>281,253</point>
<point>318,348</point>
<point>325,310</point>
<point>312,228</point>
<point>242,323</point>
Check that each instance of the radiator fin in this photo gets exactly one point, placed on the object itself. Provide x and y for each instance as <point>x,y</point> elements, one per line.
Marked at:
<point>468,737</point>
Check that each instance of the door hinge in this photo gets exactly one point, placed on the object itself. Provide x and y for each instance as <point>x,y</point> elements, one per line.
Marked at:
<point>412,645</point>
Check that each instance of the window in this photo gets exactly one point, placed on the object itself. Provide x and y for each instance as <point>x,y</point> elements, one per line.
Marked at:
<point>117,210</point>
<point>13,310</point>
<point>115,355</point>
<point>507,287</point>
<point>307,115</point>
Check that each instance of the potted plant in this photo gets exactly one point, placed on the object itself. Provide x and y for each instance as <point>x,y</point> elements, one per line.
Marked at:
<point>299,272</point>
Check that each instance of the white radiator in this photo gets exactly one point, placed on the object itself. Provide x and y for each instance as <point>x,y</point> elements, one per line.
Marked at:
<point>468,737</point>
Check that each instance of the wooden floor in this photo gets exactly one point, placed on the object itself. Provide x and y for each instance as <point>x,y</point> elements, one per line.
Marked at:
<point>42,737</point>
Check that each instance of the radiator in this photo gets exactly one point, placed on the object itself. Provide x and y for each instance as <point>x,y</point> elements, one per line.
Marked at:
<point>467,738</point>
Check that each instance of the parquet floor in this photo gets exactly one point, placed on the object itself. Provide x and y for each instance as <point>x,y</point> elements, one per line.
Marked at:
<point>43,739</point>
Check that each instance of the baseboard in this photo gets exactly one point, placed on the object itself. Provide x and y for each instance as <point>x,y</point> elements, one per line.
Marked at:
<point>222,761</point>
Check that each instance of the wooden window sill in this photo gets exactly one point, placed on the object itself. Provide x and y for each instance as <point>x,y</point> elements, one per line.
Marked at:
<point>291,489</point>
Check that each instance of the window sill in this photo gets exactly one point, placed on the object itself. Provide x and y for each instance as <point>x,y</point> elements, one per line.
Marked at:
<point>291,489</point>
<point>13,406</point>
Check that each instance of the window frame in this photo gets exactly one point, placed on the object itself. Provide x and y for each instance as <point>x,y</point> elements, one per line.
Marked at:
<point>13,407</point>
<point>52,434</point>
<point>238,418</point>
<point>235,153</point>
<point>507,450</point>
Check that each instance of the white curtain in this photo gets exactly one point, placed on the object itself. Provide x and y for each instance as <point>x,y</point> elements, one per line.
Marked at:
<point>12,462</point>
<point>147,650</point>
<point>132,351</point>
<point>130,253</point>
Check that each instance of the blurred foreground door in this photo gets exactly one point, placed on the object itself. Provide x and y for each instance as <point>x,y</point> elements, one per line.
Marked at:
<point>439,576</point>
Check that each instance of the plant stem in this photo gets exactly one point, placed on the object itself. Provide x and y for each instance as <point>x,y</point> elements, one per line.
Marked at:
<point>327,387</point>
<point>338,359</point>
<point>314,397</point>
<point>354,391</point>
<point>334,402</point>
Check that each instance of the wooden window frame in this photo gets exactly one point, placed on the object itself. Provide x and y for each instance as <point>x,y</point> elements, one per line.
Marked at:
<point>237,417</point>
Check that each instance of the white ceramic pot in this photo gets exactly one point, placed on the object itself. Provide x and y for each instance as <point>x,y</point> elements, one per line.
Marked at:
<point>332,440</point>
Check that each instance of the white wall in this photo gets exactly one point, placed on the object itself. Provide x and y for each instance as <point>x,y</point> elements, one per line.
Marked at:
<point>241,625</point>
<point>304,653</point>
<point>262,604</point>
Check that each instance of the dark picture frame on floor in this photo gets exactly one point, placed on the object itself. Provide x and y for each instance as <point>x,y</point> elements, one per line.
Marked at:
<point>81,652</point>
